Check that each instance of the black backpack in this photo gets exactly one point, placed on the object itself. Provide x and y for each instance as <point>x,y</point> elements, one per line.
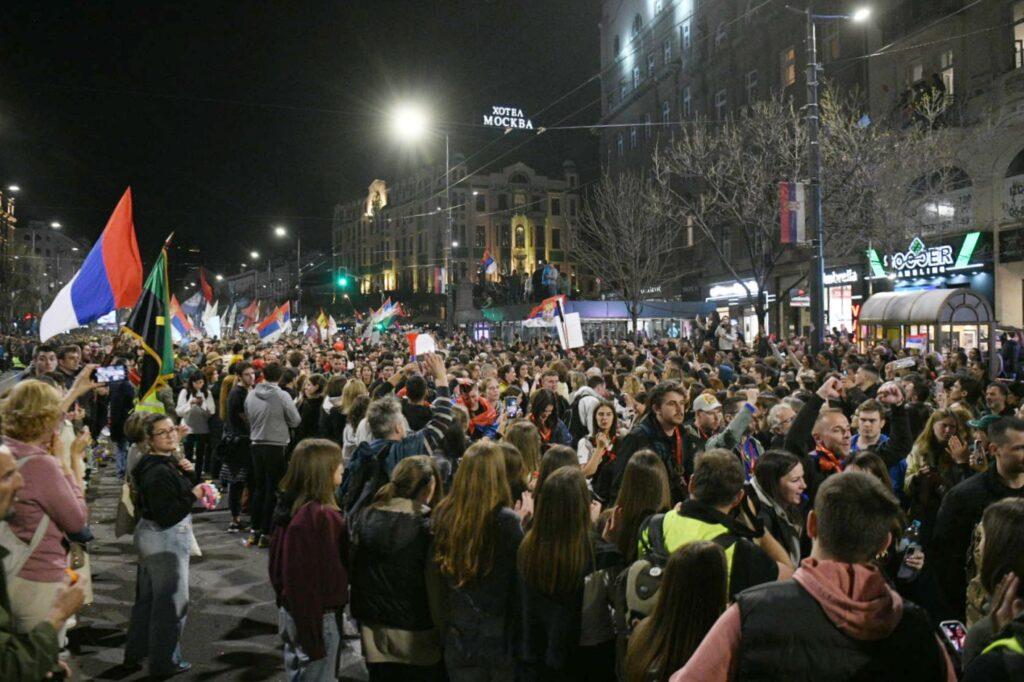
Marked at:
<point>577,429</point>
<point>365,481</point>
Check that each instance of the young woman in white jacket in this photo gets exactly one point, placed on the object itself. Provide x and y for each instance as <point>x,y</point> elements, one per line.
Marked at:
<point>195,407</point>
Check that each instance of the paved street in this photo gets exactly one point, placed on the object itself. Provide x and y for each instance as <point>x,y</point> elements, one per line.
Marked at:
<point>231,632</point>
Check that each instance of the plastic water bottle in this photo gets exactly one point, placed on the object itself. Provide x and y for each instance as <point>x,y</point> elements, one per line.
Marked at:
<point>909,543</point>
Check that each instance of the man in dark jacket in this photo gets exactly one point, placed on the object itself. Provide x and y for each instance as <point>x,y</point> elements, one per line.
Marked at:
<point>122,399</point>
<point>963,506</point>
<point>661,431</point>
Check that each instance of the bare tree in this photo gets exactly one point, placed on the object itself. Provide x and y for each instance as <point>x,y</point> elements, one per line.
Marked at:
<point>625,238</point>
<point>879,183</point>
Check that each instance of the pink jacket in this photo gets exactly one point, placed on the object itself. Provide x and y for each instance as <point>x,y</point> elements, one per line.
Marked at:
<point>47,490</point>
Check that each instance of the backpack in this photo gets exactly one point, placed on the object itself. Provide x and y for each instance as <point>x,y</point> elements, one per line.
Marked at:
<point>18,551</point>
<point>577,429</point>
<point>358,492</point>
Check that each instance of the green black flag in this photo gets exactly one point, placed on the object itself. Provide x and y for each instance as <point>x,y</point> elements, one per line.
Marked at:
<point>149,325</point>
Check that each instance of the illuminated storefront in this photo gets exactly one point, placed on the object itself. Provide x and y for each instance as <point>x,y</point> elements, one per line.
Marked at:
<point>961,262</point>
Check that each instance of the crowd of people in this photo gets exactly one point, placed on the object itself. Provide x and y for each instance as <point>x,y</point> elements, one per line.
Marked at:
<point>661,509</point>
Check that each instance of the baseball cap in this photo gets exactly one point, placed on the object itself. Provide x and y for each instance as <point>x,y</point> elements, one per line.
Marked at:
<point>706,402</point>
<point>983,422</point>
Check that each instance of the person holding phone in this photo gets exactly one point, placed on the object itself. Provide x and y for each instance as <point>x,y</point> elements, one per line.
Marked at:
<point>195,407</point>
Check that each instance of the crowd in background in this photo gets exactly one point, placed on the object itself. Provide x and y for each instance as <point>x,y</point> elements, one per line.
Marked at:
<point>697,508</point>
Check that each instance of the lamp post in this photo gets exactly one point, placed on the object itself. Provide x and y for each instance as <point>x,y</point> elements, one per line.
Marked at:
<point>410,124</point>
<point>282,231</point>
<point>817,274</point>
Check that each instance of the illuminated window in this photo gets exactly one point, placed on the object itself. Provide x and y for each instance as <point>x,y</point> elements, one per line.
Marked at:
<point>787,62</point>
<point>520,237</point>
<point>636,77</point>
<point>666,50</point>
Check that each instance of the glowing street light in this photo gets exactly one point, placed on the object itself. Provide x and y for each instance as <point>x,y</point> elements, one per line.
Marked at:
<point>409,122</point>
<point>219,278</point>
<point>860,14</point>
<point>55,225</point>
<point>254,255</point>
<point>13,188</point>
<point>280,231</point>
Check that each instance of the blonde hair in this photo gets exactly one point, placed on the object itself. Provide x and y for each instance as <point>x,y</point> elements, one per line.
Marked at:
<point>353,389</point>
<point>30,410</point>
<point>523,434</point>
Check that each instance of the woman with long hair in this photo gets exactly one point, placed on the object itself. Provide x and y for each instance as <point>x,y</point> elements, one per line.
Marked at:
<point>166,485</point>
<point>32,419</point>
<point>555,458</point>
<point>644,491</point>
<point>309,561</point>
<point>683,614</point>
<point>774,496</point>
<point>937,462</point>
<point>598,448</point>
<point>309,403</point>
<point>390,553</point>
<point>544,415</point>
<point>526,437</point>
<point>476,539</point>
<point>195,407</point>
<point>332,418</point>
<point>355,414</point>
<point>554,560</point>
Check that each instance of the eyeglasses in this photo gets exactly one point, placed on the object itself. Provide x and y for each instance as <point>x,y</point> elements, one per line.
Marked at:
<point>165,432</point>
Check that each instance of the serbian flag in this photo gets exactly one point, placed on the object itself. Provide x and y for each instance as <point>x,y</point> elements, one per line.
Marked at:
<point>205,286</point>
<point>487,263</point>
<point>279,321</point>
<point>180,324</point>
<point>545,312</point>
<point>110,278</point>
<point>313,333</point>
<point>918,342</point>
<point>792,212</point>
<point>249,315</point>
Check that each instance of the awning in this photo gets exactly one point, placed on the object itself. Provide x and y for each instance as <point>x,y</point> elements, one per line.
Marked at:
<point>936,306</point>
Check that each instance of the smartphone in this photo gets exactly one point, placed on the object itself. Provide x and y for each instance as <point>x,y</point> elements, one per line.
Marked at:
<point>512,407</point>
<point>105,375</point>
<point>954,632</point>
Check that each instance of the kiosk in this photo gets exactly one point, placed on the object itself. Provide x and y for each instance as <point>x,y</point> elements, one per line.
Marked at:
<point>933,320</point>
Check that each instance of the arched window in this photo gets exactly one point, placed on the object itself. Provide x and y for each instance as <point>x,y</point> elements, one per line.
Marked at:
<point>638,23</point>
<point>519,179</point>
<point>520,237</point>
<point>1013,194</point>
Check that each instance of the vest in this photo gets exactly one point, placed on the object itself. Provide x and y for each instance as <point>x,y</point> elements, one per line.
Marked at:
<point>680,530</point>
<point>787,636</point>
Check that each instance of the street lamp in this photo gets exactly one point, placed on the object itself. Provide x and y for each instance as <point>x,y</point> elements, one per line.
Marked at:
<point>410,123</point>
<point>56,225</point>
<point>817,274</point>
<point>282,231</point>
<point>254,255</point>
<point>219,278</point>
<point>13,188</point>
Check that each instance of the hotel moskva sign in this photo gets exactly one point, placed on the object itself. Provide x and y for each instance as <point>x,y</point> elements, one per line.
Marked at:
<point>507,117</point>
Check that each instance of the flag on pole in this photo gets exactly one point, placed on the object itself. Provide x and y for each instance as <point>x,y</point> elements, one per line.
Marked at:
<point>148,325</point>
<point>276,324</point>
<point>210,312</point>
<point>792,212</point>
<point>487,263</point>
<point>321,320</point>
<point>229,317</point>
<point>332,326</point>
<point>205,286</point>
<point>313,333</point>
<point>249,315</point>
<point>110,277</point>
<point>180,325</point>
<point>193,305</point>
<point>918,342</point>
<point>544,313</point>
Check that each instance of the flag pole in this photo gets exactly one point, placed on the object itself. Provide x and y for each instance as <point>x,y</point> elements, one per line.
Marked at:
<point>119,337</point>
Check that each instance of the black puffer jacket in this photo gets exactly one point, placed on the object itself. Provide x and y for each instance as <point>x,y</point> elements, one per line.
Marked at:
<point>389,558</point>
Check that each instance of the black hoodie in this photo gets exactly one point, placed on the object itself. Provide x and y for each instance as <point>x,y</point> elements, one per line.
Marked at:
<point>165,491</point>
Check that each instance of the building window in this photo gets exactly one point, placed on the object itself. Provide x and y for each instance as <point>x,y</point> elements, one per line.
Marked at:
<point>620,147</point>
<point>502,202</point>
<point>684,36</point>
<point>1018,33</point>
<point>946,63</point>
<point>720,101</point>
<point>556,207</point>
<point>687,103</point>
<point>616,48</point>
<point>689,231</point>
<point>638,23</point>
<point>481,202</point>
<point>666,112</point>
<point>751,86</point>
<point>481,236</point>
<point>915,73</point>
<point>666,50</point>
<point>636,77</point>
<point>647,126</point>
<point>721,35</point>
<point>505,237</point>
<point>787,62</point>
<point>538,237</point>
<point>632,137</point>
<point>830,41</point>
<point>556,239</point>
<point>520,237</point>
<point>650,65</point>
<point>623,89</point>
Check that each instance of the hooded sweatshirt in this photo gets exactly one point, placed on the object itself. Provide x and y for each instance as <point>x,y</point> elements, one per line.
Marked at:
<point>854,597</point>
<point>271,413</point>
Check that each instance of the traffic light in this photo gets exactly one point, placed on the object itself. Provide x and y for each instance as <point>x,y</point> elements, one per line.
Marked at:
<point>342,278</point>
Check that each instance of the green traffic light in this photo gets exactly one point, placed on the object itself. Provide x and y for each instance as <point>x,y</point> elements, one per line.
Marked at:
<point>343,282</point>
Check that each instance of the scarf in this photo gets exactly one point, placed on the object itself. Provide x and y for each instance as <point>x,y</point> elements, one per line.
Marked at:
<point>827,461</point>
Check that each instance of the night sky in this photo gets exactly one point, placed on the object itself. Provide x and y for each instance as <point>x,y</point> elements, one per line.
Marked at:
<point>229,117</point>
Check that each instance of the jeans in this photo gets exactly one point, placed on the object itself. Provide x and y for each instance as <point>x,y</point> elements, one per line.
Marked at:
<point>297,665</point>
<point>197,448</point>
<point>268,467</point>
<point>121,459</point>
<point>161,595</point>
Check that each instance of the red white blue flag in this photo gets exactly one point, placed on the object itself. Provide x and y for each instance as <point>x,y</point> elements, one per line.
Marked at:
<point>792,212</point>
